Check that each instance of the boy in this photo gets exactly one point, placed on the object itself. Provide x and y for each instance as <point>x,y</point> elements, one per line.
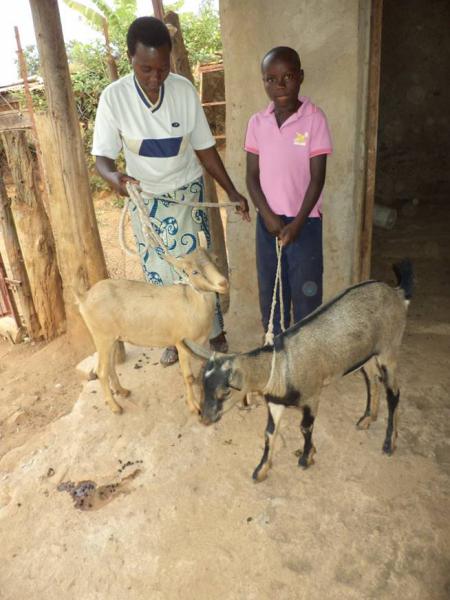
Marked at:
<point>287,146</point>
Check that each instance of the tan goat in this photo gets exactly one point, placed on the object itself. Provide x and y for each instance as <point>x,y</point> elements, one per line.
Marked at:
<point>144,314</point>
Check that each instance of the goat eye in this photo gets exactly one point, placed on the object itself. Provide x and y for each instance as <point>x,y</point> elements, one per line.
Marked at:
<point>194,273</point>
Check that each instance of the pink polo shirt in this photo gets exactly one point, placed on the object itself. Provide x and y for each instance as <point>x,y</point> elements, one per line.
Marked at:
<point>284,154</point>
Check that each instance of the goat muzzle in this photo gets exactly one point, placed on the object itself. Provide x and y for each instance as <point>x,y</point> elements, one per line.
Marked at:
<point>222,287</point>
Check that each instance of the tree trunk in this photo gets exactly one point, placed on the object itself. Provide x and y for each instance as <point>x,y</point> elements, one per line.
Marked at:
<point>182,67</point>
<point>179,53</point>
<point>17,270</point>
<point>72,215</point>
<point>35,235</point>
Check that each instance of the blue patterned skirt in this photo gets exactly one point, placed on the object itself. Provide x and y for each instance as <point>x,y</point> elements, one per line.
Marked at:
<point>177,226</point>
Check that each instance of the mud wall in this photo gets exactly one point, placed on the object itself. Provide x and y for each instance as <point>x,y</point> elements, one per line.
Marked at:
<point>332,39</point>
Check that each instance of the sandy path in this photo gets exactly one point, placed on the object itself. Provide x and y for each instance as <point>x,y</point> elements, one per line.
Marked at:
<point>191,525</point>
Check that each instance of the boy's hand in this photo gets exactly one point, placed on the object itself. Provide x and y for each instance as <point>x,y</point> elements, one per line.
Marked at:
<point>118,182</point>
<point>274,224</point>
<point>242,209</point>
<point>289,233</point>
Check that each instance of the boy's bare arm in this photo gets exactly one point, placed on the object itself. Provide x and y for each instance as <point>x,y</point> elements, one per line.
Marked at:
<point>273,222</point>
<point>318,167</point>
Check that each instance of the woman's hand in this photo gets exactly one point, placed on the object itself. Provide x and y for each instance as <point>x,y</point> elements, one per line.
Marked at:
<point>242,209</point>
<point>118,182</point>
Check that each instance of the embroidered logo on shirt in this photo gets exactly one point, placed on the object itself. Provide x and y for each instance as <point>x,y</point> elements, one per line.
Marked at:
<point>301,138</point>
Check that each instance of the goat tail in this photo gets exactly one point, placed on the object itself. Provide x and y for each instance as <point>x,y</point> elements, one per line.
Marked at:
<point>80,285</point>
<point>405,277</point>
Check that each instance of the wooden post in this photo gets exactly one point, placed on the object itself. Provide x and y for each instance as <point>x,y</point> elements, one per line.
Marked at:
<point>16,266</point>
<point>158,9</point>
<point>29,101</point>
<point>35,235</point>
<point>182,67</point>
<point>365,254</point>
<point>179,53</point>
<point>78,245</point>
<point>111,64</point>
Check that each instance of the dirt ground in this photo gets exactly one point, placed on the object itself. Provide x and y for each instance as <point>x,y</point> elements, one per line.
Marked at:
<point>178,516</point>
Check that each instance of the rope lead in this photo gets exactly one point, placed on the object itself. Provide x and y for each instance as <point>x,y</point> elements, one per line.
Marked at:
<point>277,289</point>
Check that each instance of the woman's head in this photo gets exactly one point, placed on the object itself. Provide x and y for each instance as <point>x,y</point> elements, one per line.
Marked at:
<point>149,47</point>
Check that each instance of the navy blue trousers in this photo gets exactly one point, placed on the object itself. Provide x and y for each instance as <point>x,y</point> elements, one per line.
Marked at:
<point>301,269</point>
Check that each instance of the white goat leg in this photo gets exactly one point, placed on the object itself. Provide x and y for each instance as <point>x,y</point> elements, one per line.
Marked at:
<point>274,415</point>
<point>189,379</point>
<point>105,350</point>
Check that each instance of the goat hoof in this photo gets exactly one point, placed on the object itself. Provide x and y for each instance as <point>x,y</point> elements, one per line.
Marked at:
<point>117,410</point>
<point>124,393</point>
<point>388,448</point>
<point>261,472</point>
<point>364,422</point>
<point>306,461</point>
<point>259,476</point>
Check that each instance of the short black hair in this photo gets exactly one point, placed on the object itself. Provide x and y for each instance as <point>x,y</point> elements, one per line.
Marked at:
<point>283,53</point>
<point>150,32</point>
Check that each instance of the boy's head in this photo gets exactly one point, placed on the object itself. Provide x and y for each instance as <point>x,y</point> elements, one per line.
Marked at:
<point>282,75</point>
<point>149,46</point>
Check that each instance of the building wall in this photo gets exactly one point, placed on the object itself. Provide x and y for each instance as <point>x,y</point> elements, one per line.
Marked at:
<point>332,39</point>
<point>413,139</point>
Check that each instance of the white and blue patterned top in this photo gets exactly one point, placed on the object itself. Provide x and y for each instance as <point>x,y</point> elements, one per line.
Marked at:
<point>159,139</point>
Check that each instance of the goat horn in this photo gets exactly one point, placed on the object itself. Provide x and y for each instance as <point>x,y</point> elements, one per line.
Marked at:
<point>202,241</point>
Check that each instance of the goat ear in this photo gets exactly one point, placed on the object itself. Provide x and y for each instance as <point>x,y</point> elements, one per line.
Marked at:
<point>236,379</point>
<point>195,349</point>
<point>214,257</point>
<point>202,240</point>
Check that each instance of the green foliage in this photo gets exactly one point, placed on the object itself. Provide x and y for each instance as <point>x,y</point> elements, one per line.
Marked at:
<point>95,19</point>
<point>87,62</point>
<point>31,59</point>
<point>173,6</point>
<point>202,34</point>
<point>117,14</point>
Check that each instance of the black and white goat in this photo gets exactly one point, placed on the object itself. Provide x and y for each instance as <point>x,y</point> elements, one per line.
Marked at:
<point>362,328</point>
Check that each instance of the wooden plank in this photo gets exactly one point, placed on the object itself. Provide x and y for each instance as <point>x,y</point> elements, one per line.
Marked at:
<point>217,103</point>
<point>35,235</point>
<point>211,68</point>
<point>11,120</point>
<point>5,299</point>
<point>22,292</point>
<point>365,254</point>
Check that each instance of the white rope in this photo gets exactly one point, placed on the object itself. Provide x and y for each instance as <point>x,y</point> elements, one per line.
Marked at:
<point>277,290</point>
<point>149,235</point>
<point>122,241</point>
<point>278,286</point>
<point>195,204</point>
